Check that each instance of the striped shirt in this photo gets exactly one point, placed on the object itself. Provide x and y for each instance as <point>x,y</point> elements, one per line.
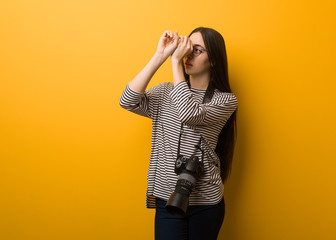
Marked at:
<point>168,107</point>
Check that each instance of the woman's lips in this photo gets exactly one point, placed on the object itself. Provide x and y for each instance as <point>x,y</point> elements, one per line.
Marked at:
<point>188,65</point>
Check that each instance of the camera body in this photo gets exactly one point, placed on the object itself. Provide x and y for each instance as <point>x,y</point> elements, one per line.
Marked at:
<point>189,171</point>
<point>190,165</point>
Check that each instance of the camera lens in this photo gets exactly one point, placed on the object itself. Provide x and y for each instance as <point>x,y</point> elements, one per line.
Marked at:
<point>190,170</point>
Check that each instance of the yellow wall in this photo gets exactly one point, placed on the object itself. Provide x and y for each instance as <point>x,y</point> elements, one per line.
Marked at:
<point>73,164</point>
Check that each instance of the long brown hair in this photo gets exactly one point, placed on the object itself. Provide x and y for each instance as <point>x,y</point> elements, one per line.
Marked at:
<point>219,79</point>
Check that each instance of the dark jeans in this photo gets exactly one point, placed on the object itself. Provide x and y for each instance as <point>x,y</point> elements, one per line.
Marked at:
<point>200,223</point>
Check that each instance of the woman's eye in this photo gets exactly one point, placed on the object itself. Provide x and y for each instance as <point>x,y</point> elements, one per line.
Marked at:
<point>198,51</point>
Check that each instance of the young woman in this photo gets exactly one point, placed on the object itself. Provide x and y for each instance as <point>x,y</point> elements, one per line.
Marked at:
<point>197,109</point>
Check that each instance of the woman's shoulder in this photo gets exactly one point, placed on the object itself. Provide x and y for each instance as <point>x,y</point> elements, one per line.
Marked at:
<point>169,85</point>
<point>164,86</point>
<point>160,90</point>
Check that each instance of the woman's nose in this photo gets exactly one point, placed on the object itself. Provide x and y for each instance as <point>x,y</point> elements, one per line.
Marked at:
<point>190,56</point>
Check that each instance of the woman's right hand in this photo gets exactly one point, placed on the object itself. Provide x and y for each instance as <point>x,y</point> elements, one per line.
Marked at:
<point>167,44</point>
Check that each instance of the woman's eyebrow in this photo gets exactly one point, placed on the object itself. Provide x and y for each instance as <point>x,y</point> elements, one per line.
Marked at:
<point>198,45</point>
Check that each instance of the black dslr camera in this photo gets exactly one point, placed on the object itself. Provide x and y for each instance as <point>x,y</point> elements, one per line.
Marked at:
<point>189,171</point>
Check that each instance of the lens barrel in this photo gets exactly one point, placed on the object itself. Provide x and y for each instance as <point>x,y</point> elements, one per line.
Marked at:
<point>179,199</point>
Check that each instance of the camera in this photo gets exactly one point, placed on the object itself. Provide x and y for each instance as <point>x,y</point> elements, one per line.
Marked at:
<point>189,171</point>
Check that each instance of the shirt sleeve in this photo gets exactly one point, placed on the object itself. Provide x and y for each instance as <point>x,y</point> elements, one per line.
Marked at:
<point>144,104</point>
<point>193,113</point>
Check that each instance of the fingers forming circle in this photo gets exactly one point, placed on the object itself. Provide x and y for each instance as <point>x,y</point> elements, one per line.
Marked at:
<point>190,45</point>
<point>167,34</point>
<point>185,40</point>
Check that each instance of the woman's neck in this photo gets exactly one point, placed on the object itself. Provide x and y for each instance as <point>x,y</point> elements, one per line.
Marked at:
<point>199,82</point>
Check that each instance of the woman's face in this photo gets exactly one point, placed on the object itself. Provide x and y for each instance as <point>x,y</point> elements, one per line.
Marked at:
<point>197,65</point>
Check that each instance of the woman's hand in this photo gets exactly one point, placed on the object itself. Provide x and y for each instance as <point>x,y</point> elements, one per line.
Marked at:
<point>167,44</point>
<point>183,49</point>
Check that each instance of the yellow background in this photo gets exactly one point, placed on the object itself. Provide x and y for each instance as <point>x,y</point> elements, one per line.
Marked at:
<point>73,164</point>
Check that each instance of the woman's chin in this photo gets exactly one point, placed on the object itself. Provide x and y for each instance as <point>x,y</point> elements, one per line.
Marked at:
<point>187,71</point>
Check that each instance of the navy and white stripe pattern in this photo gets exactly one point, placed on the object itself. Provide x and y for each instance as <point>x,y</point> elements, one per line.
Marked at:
<point>168,106</point>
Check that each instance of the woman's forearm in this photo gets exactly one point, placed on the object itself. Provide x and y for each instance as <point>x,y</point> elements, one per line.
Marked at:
<point>140,82</point>
<point>178,73</point>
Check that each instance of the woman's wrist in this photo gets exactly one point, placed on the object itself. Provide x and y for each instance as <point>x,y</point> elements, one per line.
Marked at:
<point>176,62</point>
<point>160,58</point>
<point>178,73</point>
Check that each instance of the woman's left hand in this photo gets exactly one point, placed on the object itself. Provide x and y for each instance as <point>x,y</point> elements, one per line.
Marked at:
<point>183,49</point>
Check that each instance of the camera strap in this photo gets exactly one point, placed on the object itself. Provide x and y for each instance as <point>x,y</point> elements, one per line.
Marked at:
<point>206,99</point>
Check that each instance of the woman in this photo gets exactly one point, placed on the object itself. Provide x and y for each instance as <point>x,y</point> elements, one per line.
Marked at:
<point>193,116</point>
